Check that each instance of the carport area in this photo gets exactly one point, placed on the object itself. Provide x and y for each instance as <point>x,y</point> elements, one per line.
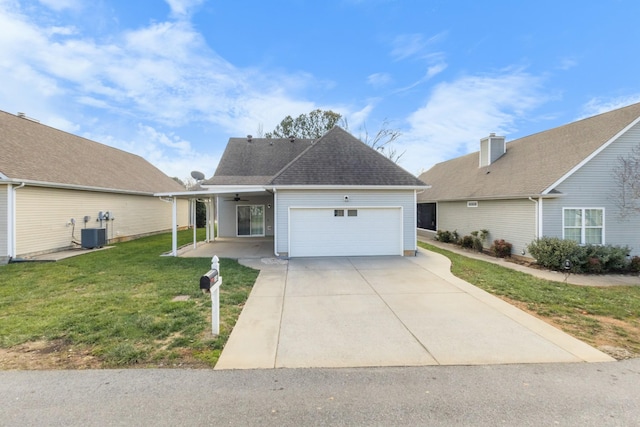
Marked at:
<point>384,311</point>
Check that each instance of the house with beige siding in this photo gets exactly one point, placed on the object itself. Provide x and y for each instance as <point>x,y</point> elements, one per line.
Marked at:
<point>54,185</point>
<point>556,183</point>
<point>334,196</point>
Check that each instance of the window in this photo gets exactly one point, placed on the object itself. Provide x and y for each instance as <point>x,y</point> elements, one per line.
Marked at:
<point>584,225</point>
<point>473,204</point>
<point>352,212</point>
<point>338,212</point>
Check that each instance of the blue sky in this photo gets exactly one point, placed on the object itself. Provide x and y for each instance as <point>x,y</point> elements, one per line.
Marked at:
<point>172,80</point>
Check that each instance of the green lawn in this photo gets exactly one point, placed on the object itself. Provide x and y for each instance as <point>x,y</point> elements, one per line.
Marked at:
<point>116,304</point>
<point>597,315</point>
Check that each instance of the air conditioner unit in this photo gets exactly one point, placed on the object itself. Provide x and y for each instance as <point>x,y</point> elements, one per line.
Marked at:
<point>93,238</point>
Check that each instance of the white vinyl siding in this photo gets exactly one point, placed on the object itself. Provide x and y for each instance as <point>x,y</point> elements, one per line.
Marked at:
<point>594,185</point>
<point>226,213</point>
<point>4,223</point>
<point>43,216</point>
<point>511,220</point>
<point>334,199</point>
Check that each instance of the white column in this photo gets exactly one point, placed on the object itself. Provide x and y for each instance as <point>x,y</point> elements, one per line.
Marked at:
<point>174,233</point>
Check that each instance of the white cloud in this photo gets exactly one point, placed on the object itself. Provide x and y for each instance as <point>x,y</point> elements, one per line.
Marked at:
<point>413,45</point>
<point>459,113</point>
<point>58,5</point>
<point>183,7</point>
<point>378,80</point>
<point>601,105</point>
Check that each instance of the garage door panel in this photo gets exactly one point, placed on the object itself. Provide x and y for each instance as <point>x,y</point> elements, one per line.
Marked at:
<point>318,232</point>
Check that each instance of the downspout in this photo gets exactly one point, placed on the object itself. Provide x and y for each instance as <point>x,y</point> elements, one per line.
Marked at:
<point>12,225</point>
<point>538,229</point>
<point>275,223</point>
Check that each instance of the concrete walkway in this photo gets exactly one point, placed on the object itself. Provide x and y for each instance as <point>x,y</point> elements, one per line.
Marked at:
<point>384,311</point>
<point>574,279</point>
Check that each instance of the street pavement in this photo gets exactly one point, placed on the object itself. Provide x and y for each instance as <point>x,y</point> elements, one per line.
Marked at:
<point>572,394</point>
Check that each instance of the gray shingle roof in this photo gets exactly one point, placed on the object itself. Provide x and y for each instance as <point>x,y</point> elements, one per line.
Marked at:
<point>255,162</point>
<point>36,152</point>
<point>531,164</point>
<point>338,158</point>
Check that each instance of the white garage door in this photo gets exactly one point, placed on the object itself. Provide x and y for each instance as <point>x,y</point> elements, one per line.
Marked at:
<point>345,232</point>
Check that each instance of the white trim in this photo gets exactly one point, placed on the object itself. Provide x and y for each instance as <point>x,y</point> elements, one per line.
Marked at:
<point>351,187</point>
<point>583,226</point>
<point>591,156</point>
<point>275,223</point>
<point>540,218</point>
<point>333,207</point>
<point>415,221</point>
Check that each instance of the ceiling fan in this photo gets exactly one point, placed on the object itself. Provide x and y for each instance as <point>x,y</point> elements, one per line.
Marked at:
<point>237,199</point>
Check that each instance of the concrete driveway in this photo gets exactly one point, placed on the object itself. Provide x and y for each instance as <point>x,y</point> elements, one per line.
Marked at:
<point>384,311</point>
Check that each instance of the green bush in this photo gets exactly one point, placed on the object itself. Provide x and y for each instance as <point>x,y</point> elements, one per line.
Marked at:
<point>501,248</point>
<point>634,264</point>
<point>447,236</point>
<point>551,253</point>
<point>467,242</point>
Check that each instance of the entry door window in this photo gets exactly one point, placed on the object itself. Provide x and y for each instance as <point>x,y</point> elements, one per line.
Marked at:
<point>250,220</point>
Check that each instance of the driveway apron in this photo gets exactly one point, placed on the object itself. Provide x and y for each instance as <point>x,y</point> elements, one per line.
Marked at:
<point>385,311</point>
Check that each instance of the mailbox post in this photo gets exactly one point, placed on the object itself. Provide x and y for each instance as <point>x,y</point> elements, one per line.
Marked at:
<point>210,283</point>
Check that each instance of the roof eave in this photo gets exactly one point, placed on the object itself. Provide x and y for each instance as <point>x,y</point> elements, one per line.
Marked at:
<point>501,197</point>
<point>591,156</point>
<point>348,187</point>
<point>33,183</point>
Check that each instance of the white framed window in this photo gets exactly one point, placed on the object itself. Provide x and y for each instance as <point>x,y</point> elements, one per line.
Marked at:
<point>338,212</point>
<point>352,212</point>
<point>584,225</point>
<point>472,204</point>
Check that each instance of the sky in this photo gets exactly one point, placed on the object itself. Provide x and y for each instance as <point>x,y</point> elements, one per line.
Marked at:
<point>173,80</point>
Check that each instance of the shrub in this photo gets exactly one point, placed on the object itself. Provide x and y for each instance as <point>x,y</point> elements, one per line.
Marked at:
<point>447,236</point>
<point>501,248</point>
<point>551,253</point>
<point>634,264</point>
<point>467,242</point>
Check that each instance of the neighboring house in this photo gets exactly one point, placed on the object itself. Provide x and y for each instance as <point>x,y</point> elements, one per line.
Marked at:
<point>556,183</point>
<point>53,184</point>
<point>334,196</point>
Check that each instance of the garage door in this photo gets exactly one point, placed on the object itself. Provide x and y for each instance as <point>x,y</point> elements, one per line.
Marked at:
<point>345,232</point>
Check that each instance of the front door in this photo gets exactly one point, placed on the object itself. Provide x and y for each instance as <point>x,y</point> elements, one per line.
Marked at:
<point>250,220</point>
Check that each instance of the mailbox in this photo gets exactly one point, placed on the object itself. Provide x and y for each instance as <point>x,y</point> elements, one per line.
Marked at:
<point>209,278</point>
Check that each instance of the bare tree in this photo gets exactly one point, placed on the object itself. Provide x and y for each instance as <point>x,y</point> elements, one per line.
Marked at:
<point>319,122</point>
<point>627,177</point>
<point>382,140</point>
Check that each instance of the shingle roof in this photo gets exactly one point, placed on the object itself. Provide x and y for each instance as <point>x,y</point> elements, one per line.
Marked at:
<point>36,152</point>
<point>338,158</point>
<point>255,162</point>
<point>530,165</point>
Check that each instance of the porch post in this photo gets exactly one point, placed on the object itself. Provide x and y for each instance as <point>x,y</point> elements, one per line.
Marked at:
<point>194,203</point>
<point>174,233</point>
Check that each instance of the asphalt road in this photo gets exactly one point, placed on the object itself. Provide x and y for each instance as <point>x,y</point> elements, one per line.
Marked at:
<point>577,394</point>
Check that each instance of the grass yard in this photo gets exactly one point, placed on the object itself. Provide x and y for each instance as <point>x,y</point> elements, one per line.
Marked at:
<point>605,317</point>
<point>113,308</point>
